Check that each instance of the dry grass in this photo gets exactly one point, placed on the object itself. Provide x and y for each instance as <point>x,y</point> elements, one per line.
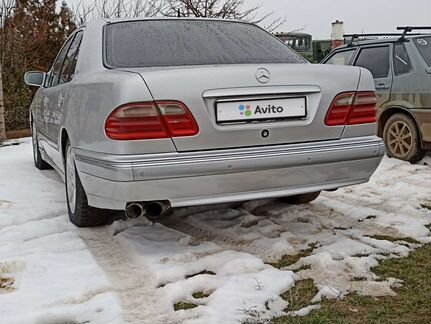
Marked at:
<point>412,305</point>
<point>19,133</point>
<point>288,260</point>
<point>184,306</point>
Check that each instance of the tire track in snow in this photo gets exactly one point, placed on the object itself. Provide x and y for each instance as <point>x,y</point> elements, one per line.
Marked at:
<point>132,280</point>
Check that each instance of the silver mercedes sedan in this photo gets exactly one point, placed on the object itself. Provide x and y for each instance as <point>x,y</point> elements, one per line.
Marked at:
<point>148,114</point>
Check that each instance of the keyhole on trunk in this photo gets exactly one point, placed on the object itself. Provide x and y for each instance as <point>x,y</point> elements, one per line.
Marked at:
<point>265,133</point>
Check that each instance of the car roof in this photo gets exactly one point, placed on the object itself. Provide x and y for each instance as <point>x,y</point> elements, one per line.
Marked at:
<point>116,20</point>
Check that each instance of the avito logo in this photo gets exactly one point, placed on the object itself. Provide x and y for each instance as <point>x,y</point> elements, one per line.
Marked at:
<point>245,110</point>
<point>270,109</point>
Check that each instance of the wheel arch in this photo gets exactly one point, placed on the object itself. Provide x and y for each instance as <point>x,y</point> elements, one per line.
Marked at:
<point>387,113</point>
<point>64,137</point>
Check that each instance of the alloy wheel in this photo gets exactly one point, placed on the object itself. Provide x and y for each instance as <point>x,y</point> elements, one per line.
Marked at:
<point>400,138</point>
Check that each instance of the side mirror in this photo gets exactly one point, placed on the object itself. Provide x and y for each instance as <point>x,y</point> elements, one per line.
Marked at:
<point>428,69</point>
<point>35,78</point>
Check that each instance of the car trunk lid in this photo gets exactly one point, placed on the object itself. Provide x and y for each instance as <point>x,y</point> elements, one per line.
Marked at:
<point>219,98</point>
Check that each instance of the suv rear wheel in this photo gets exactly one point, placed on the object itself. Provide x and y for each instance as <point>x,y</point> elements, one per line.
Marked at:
<point>302,198</point>
<point>401,138</point>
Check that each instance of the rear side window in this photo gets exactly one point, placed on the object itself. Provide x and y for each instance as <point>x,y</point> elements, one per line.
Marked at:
<point>402,62</point>
<point>69,64</point>
<point>341,58</point>
<point>191,42</point>
<point>375,59</point>
<point>423,45</point>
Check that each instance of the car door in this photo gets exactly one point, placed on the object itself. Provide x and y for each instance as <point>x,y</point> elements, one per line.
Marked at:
<point>376,59</point>
<point>60,76</point>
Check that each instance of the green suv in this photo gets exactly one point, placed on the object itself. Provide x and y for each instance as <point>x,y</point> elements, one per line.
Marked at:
<point>401,67</point>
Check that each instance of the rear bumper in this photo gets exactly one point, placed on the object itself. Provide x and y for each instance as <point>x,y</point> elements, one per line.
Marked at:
<point>206,177</point>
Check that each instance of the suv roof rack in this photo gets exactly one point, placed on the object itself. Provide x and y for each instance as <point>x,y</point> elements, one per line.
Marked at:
<point>406,30</point>
<point>409,29</point>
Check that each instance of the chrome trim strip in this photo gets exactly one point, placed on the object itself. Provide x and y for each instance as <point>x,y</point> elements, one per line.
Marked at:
<point>189,164</point>
<point>119,161</point>
<point>264,90</point>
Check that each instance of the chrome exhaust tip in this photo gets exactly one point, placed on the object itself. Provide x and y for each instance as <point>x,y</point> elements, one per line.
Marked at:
<point>134,211</point>
<point>154,210</point>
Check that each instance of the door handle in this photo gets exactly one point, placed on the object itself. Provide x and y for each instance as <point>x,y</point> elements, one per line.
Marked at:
<point>382,86</point>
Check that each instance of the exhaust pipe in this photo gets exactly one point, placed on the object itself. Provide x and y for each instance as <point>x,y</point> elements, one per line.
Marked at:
<point>134,211</point>
<point>154,210</point>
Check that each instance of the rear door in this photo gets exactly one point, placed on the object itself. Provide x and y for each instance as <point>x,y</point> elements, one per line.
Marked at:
<point>62,73</point>
<point>377,60</point>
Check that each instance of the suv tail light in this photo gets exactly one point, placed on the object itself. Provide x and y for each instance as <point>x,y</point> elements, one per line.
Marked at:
<point>150,120</point>
<point>352,108</point>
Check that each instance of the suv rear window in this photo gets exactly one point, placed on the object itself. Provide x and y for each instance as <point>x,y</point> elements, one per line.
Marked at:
<point>149,43</point>
<point>375,59</point>
<point>423,45</point>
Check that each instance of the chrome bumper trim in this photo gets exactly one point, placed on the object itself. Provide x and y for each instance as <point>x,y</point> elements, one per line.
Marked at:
<point>190,164</point>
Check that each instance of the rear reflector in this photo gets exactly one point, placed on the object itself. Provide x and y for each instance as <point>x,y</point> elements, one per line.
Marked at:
<point>150,120</point>
<point>352,108</point>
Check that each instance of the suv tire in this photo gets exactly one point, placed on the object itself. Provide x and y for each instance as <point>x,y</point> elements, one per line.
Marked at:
<point>401,138</point>
<point>302,198</point>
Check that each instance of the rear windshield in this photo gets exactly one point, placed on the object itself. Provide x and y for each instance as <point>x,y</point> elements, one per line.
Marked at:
<point>424,46</point>
<point>191,42</point>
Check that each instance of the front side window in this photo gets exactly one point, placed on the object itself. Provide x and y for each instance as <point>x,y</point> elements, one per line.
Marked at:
<point>376,60</point>
<point>401,59</point>
<point>423,45</point>
<point>149,43</point>
<point>341,58</point>
<point>56,68</point>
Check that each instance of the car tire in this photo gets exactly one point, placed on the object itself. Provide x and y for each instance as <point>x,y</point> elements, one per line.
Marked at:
<point>402,140</point>
<point>80,213</point>
<point>302,198</point>
<point>39,163</point>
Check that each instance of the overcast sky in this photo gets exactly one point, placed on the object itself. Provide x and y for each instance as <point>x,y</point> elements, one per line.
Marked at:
<point>361,15</point>
<point>316,16</point>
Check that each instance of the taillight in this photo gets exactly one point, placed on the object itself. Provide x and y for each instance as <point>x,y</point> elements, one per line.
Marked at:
<point>150,120</point>
<point>352,108</point>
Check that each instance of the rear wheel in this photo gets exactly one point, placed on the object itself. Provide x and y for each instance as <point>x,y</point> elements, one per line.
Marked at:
<point>401,138</point>
<point>302,198</point>
<point>80,213</point>
<point>40,163</point>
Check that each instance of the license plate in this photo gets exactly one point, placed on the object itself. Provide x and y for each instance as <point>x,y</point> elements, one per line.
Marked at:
<point>260,110</point>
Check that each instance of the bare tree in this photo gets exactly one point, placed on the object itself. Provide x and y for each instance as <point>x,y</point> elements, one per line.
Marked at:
<point>2,121</point>
<point>225,9</point>
<point>85,11</point>
<point>6,10</point>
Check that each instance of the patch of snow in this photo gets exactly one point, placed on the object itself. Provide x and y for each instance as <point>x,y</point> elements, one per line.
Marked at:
<point>237,281</point>
<point>326,292</point>
<point>55,278</point>
<point>304,311</point>
<point>135,271</point>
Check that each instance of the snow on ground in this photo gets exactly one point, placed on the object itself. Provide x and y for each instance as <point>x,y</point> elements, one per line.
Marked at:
<point>50,275</point>
<point>52,272</point>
